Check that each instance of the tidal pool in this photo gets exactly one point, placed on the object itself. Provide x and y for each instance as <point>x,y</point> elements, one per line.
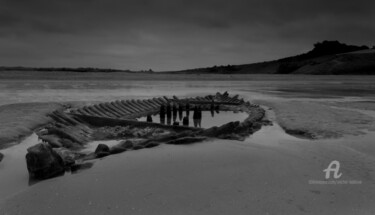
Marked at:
<point>209,118</point>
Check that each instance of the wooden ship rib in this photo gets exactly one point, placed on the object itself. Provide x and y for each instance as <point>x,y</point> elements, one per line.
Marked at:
<point>71,129</point>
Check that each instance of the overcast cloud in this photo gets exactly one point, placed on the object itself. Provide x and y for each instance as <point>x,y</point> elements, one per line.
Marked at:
<point>174,34</point>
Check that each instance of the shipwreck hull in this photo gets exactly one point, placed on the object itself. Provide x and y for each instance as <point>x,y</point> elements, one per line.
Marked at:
<point>71,129</point>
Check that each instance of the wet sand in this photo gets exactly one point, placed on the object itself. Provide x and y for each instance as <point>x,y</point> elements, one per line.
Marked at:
<point>320,120</point>
<point>268,173</point>
<point>260,175</point>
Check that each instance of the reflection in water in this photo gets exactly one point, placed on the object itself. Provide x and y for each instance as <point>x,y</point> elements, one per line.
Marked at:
<point>185,121</point>
<point>197,116</point>
<point>212,108</point>
<point>149,118</point>
<point>197,123</point>
<point>169,120</point>
<point>202,119</point>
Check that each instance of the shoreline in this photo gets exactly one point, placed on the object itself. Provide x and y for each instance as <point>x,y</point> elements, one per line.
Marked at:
<point>20,120</point>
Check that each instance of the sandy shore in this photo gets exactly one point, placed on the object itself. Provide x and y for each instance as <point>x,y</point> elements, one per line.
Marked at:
<point>261,175</point>
<point>319,120</point>
<point>267,174</point>
<point>216,177</point>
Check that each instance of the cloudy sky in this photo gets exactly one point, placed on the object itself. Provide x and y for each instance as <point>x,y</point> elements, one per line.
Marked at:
<point>174,34</point>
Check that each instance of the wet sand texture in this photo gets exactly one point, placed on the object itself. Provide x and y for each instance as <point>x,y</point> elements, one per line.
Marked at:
<point>19,120</point>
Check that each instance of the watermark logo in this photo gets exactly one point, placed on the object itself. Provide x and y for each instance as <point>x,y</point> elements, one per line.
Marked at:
<point>334,167</point>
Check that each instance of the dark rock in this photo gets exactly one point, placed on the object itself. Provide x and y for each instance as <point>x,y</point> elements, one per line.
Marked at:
<point>102,150</point>
<point>43,162</point>
<point>137,147</point>
<point>102,154</point>
<point>117,149</point>
<point>127,144</point>
<point>1,157</point>
<point>69,157</point>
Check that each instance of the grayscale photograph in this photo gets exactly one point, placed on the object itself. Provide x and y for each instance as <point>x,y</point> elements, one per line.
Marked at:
<point>177,107</point>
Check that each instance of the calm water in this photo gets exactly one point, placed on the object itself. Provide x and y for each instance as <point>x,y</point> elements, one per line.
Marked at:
<point>209,119</point>
<point>256,87</point>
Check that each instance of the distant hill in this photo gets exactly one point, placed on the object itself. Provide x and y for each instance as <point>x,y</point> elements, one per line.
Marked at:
<point>67,69</point>
<point>326,58</point>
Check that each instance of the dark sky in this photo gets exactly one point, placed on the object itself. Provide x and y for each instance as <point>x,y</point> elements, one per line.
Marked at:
<point>174,34</point>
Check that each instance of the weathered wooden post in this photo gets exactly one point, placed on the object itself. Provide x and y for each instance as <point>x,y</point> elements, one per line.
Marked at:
<point>169,114</point>
<point>185,121</point>
<point>162,114</point>
<point>169,110</point>
<point>174,108</point>
<point>199,116</point>
<point>187,107</point>
<point>212,108</point>
<point>149,118</point>
<point>180,111</point>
